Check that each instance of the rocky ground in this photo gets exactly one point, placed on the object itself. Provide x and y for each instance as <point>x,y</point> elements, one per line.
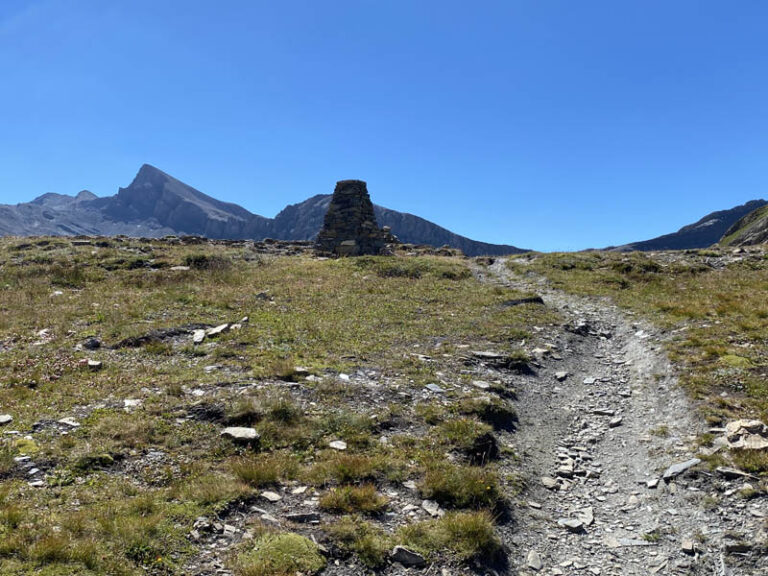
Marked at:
<point>605,438</point>
<point>601,473</point>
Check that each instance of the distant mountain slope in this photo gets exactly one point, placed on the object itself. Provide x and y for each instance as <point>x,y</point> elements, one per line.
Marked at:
<point>750,230</point>
<point>706,232</point>
<point>156,204</point>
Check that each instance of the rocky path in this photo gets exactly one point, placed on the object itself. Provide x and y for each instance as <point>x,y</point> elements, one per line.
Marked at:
<point>605,440</point>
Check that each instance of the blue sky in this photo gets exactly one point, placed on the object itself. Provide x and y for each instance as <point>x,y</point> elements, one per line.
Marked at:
<point>544,124</point>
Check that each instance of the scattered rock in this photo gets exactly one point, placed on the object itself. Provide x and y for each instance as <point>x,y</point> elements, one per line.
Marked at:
<point>571,524</point>
<point>549,482</point>
<point>432,507</point>
<point>586,515</point>
<point>534,561</point>
<point>5,419</point>
<point>615,422</point>
<point>92,344</point>
<point>71,422</point>
<point>688,546</point>
<point>746,435</point>
<point>198,336</point>
<point>304,517</point>
<point>733,473</point>
<point>338,445</point>
<point>271,496</point>
<point>434,388</point>
<point>218,330</point>
<point>677,469</point>
<point>407,557</point>
<point>561,376</point>
<point>241,435</point>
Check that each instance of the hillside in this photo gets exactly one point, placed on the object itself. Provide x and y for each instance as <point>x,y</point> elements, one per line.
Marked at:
<point>156,204</point>
<point>217,408</point>
<point>701,234</point>
<point>750,230</point>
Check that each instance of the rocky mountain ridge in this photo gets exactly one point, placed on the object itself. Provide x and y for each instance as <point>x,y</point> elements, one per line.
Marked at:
<point>155,204</point>
<point>701,234</point>
<point>750,230</point>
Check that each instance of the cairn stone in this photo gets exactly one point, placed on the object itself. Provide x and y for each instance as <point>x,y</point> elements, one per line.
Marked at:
<point>350,227</point>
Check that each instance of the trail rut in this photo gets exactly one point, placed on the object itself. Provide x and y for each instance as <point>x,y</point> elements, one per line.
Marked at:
<point>594,443</point>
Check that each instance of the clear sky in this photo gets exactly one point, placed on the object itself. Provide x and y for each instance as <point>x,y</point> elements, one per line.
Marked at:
<point>545,124</point>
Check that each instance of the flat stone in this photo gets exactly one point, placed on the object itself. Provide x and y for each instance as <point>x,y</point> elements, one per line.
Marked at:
<point>198,336</point>
<point>533,561</point>
<point>613,542</point>
<point>216,331</point>
<point>549,482</point>
<point>571,524</point>
<point>688,546</point>
<point>589,381</point>
<point>407,557</point>
<point>432,507</point>
<point>5,419</point>
<point>603,412</point>
<point>615,422</point>
<point>434,388</point>
<point>271,496</point>
<point>338,445</point>
<point>652,483</point>
<point>71,422</point>
<point>241,435</point>
<point>481,385</point>
<point>560,376</point>
<point>677,469</point>
<point>733,473</point>
<point>94,365</point>
<point>304,517</point>
<point>586,515</point>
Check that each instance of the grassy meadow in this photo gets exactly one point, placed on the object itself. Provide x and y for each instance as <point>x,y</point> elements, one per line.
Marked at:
<point>141,458</point>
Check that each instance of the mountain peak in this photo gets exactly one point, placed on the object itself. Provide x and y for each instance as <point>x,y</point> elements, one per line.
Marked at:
<point>149,176</point>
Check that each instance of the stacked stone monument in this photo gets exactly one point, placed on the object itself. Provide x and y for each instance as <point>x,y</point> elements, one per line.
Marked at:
<point>350,227</point>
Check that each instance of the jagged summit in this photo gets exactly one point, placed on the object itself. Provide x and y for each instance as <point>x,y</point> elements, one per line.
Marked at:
<point>160,198</point>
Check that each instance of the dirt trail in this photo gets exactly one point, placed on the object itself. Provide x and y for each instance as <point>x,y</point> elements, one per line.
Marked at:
<point>594,445</point>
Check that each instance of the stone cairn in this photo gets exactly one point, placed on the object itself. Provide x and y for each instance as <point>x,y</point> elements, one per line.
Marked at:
<point>350,227</point>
